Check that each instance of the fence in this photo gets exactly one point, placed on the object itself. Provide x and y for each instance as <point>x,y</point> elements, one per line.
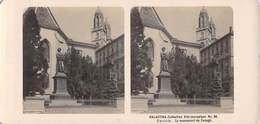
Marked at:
<point>109,102</point>
<point>208,101</point>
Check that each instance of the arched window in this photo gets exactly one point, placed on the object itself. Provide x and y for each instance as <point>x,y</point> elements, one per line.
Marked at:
<point>149,82</point>
<point>150,48</point>
<point>46,51</point>
<point>46,54</point>
<point>200,22</point>
<point>204,21</point>
<point>96,22</point>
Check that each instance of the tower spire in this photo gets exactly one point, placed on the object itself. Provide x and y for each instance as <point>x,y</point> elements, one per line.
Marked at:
<point>205,28</point>
<point>107,29</point>
<point>101,29</point>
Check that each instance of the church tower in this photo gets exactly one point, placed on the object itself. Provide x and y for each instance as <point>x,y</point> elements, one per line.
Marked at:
<point>212,29</point>
<point>99,33</point>
<point>107,30</point>
<point>206,31</point>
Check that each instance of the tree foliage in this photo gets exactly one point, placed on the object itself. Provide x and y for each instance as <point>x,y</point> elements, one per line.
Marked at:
<point>188,77</point>
<point>34,64</point>
<point>141,64</point>
<point>84,77</point>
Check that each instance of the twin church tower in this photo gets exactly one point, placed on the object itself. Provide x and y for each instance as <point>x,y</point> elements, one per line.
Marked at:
<point>101,31</point>
<point>206,31</point>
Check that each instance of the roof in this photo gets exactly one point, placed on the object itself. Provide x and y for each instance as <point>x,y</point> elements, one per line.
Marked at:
<point>186,43</point>
<point>151,19</point>
<point>45,18</point>
<point>81,44</point>
<point>112,41</point>
<point>229,34</point>
<point>98,11</point>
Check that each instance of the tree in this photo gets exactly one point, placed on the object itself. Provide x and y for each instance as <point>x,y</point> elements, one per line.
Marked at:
<point>90,78</point>
<point>34,64</point>
<point>141,64</point>
<point>72,64</point>
<point>177,67</point>
<point>216,89</point>
<point>189,78</point>
<point>84,78</point>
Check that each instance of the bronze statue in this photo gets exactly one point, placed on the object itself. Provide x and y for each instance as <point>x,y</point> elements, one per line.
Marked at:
<point>164,60</point>
<point>60,59</point>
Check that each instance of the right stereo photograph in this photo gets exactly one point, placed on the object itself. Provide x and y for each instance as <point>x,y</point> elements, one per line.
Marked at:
<point>182,60</point>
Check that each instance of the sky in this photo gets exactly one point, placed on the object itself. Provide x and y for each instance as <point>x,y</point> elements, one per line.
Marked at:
<point>77,22</point>
<point>182,22</point>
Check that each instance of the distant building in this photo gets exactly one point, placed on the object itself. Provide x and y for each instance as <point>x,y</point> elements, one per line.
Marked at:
<point>218,57</point>
<point>111,58</point>
<point>216,54</point>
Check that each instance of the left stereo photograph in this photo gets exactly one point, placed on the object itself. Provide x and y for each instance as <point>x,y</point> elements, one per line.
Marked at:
<point>73,60</point>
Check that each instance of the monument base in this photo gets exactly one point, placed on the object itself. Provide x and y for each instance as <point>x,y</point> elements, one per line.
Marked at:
<point>61,96</point>
<point>164,95</point>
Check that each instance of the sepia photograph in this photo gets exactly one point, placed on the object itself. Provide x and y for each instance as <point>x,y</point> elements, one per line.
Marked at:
<point>182,60</point>
<point>73,60</point>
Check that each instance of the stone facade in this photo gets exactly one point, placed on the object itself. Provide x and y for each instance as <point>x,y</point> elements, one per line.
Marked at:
<point>220,53</point>
<point>112,56</point>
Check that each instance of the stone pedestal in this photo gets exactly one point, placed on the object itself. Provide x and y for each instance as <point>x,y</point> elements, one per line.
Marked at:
<point>61,96</point>
<point>139,104</point>
<point>33,104</point>
<point>164,86</point>
<point>164,94</point>
<point>60,86</point>
<point>226,102</point>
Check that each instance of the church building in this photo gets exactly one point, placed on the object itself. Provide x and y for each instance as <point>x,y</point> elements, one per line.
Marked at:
<point>205,47</point>
<point>159,37</point>
<point>216,54</point>
<point>53,37</point>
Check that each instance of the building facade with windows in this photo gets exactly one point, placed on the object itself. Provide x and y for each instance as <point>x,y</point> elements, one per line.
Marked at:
<point>217,57</point>
<point>216,54</point>
<point>110,58</point>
